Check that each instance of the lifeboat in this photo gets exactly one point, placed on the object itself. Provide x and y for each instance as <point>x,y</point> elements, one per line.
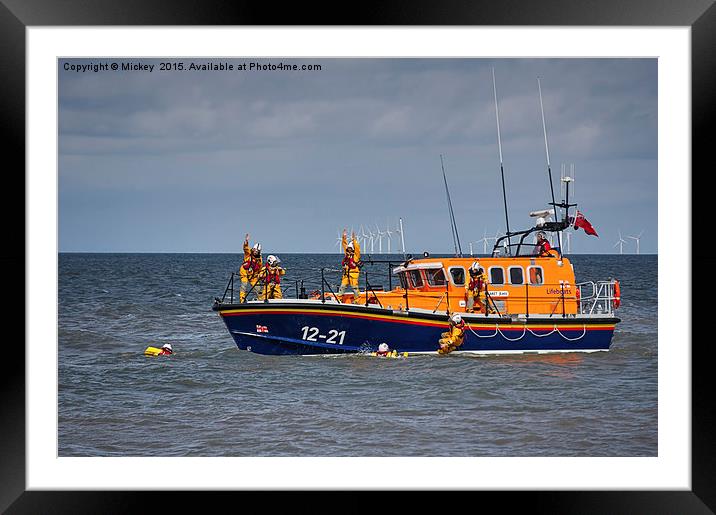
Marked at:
<point>533,304</point>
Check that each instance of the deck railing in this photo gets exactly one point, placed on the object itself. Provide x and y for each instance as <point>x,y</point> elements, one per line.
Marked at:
<point>596,297</point>
<point>591,297</point>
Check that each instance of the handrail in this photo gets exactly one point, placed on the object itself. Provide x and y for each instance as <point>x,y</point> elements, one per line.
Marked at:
<point>229,287</point>
<point>323,291</point>
<point>440,301</point>
<point>601,297</point>
<point>367,288</point>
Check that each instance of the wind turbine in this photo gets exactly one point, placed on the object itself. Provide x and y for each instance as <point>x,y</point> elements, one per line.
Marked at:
<point>380,239</point>
<point>483,240</point>
<point>339,240</point>
<point>621,243</point>
<point>389,233</point>
<point>491,238</point>
<point>399,230</point>
<point>363,235</point>
<point>371,236</point>
<point>636,238</point>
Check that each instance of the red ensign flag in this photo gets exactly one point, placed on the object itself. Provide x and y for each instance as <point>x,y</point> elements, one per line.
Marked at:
<point>582,222</point>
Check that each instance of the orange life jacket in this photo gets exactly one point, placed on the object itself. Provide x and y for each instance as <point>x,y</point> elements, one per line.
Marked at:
<point>273,276</point>
<point>544,248</point>
<point>350,263</point>
<point>251,265</point>
<point>477,284</point>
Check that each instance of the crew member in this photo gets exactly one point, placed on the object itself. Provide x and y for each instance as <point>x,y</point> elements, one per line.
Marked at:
<point>544,249</point>
<point>476,289</point>
<point>383,350</point>
<point>351,266</point>
<point>165,350</point>
<point>250,269</point>
<point>454,336</point>
<point>271,276</point>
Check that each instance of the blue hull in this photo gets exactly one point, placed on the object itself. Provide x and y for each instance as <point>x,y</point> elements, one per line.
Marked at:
<point>315,328</point>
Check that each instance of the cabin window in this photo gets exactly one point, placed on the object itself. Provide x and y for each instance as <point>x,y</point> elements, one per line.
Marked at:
<point>415,278</point>
<point>403,281</point>
<point>497,275</point>
<point>436,277</point>
<point>535,274</point>
<point>458,275</point>
<point>516,275</point>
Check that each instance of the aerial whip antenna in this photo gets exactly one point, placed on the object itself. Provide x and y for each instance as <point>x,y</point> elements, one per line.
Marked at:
<point>549,168</point>
<point>502,171</point>
<point>453,225</point>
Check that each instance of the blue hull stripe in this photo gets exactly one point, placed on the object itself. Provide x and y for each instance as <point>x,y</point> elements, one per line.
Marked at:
<point>288,333</point>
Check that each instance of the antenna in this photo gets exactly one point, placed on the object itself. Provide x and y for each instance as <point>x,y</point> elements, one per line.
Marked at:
<point>546,148</point>
<point>453,225</point>
<point>565,181</point>
<point>499,147</point>
<point>402,238</point>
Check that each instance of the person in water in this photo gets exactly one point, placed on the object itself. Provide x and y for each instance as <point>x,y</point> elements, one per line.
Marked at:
<point>383,350</point>
<point>454,336</point>
<point>271,276</point>
<point>544,249</point>
<point>166,350</point>
<point>351,266</point>
<point>250,268</point>
<point>476,289</point>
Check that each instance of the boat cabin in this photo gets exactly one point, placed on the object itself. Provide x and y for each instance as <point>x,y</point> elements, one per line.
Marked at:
<point>516,285</point>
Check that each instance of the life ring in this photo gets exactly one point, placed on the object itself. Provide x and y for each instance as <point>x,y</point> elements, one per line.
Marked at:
<point>617,295</point>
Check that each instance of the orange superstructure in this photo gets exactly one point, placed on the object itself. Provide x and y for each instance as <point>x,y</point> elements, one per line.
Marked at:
<point>516,285</point>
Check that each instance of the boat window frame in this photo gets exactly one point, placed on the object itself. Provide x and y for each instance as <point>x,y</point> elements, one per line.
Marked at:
<point>489,275</point>
<point>452,278</point>
<point>428,272</point>
<point>403,279</point>
<point>529,280</point>
<point>420,274</point>
<point>509,274</point>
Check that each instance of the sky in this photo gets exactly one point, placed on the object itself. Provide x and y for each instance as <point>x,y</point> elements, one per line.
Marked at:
<point>192,160</point>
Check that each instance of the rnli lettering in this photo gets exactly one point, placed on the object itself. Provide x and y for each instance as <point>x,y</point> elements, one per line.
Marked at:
<point>558,291</point>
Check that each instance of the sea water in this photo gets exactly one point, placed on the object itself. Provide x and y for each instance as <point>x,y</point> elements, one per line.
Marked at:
<point>211,399</point>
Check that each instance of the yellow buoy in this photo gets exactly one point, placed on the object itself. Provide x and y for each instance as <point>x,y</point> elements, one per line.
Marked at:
<point>152,351</point>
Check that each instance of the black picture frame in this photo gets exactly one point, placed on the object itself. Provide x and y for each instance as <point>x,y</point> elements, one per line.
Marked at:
<point>17,15</point>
